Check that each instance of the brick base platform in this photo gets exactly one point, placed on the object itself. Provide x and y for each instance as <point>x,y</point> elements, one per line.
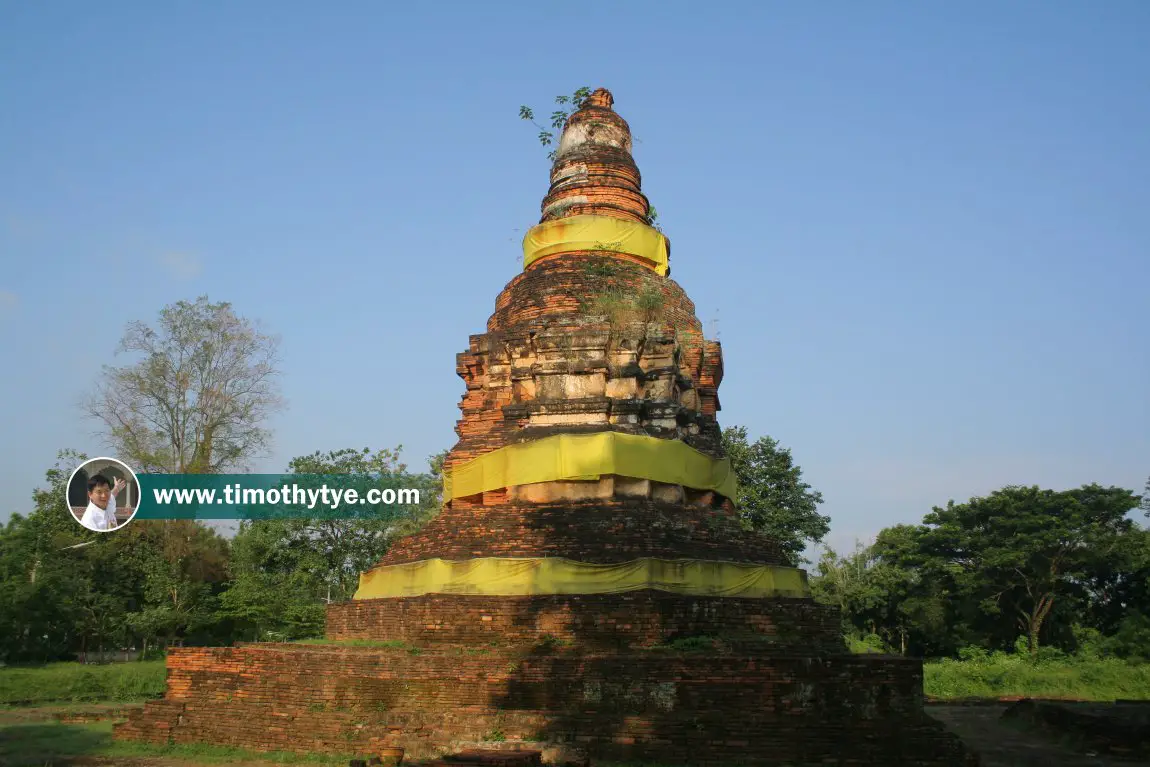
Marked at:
<point>639,705</point>
<point>640,618</point>
<point>587,531</point>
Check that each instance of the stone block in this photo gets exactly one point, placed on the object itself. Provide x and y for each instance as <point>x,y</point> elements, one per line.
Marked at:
<point>629,487</point>
<point>622,388</point>
<point>664,493</point>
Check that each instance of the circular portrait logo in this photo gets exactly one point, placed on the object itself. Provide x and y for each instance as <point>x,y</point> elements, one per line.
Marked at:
<point>103,494</point>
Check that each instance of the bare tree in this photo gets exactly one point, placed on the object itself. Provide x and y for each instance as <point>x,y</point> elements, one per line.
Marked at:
<point>198,396</point>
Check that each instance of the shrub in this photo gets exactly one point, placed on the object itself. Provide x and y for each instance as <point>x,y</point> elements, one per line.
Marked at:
<point>78,682</point>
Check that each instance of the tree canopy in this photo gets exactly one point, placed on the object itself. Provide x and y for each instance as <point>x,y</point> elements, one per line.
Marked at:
<point>196,398</point>
<point>773,498</point>
<point>1022,566</point>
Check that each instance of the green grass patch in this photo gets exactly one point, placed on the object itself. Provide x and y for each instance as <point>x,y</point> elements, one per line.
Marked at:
<point>866,645</point>
<point>394,644</point>
<point>77,682</point>
<point>1008,675</point>
<point>695,644</point>
<point>36,745</point>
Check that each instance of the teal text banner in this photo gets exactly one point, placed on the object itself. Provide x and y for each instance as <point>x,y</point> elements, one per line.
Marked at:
<point>283,496</point>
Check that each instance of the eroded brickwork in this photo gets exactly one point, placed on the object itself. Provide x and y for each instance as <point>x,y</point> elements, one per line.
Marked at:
<point>588,531</point>
<point>637,619</point>
<point>733,709</point>
<point>568,349</point>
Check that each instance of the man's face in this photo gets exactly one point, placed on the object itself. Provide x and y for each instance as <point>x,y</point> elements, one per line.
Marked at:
<point>100,495</point>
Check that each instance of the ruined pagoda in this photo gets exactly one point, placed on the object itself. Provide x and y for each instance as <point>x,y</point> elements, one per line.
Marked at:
<point>587,586</point>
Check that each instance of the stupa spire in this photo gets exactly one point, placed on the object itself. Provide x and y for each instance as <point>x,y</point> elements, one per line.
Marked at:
<point>595,203</point>
<point>593,172</point>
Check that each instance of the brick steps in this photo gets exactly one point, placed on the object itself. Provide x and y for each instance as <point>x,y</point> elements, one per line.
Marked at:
<point>593,622</point>
<point>755,709</point>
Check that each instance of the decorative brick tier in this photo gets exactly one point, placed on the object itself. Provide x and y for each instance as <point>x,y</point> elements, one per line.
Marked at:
<point>657,706</point>
<point>549,359</point>
<point>602,532</point>
<point>635,619</point>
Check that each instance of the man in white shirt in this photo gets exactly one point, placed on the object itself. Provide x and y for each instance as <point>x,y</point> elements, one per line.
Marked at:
<point>101,511</point>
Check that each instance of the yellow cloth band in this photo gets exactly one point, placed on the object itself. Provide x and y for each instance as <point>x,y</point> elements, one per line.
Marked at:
<point>611,235</point>
<point>500,577</point>
<point>588,456</point>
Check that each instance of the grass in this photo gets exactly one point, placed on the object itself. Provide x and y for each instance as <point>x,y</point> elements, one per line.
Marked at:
<point>1008,675</point>
<point>395,644</point>
<point>76,682</point>
<point>36,745</point>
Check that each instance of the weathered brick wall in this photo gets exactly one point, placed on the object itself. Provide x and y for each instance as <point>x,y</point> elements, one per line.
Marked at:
<point>555,287</point>
<point>639,706</point>
<point>547,303</point>
<point>640,618</point>
<point>591,531</point>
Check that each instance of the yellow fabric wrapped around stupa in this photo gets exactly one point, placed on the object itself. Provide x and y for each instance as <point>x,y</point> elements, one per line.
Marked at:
<point>601,233</point>
<point>506,577</point>
<point>588,456</point>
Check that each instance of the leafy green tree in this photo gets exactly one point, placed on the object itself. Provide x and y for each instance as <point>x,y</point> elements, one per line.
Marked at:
<point>1132,637</point>
<point>285,570</point>
<point>880,598</point>
<point>183,567</point>
<point>269,596</point>
<point>922,613</point>
<point>1021,550</point>
<point>1117,586</point>
<point>198,395</point>
<point>66,590</point>
<point>568,105</point>
<point>342,548</point>
<point>45,574</point>
<point>773,499</point>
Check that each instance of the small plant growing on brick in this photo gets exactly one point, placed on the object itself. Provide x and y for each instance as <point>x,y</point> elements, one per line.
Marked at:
<point>653,218</point>
<point>650,303</point>
<point>622,310</point>
<point>561,207</point>
<point>550,643</point>
<point>694,644</point>
<point>568,106</point>
<point>607,248</point>
<point>600,269</point>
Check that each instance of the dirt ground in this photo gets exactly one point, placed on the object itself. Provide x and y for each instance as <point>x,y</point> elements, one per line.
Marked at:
<point>999,744</point>
<point>12,718</point>
<point>1002,744</point>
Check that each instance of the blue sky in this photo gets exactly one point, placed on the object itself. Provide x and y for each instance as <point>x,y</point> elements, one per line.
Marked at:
<point>922,226</point>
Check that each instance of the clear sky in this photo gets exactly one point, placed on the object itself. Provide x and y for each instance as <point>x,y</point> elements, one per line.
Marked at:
<point>924,228</point>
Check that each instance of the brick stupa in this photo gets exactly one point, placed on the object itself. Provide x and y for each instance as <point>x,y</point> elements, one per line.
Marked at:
<point>587,586</point>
